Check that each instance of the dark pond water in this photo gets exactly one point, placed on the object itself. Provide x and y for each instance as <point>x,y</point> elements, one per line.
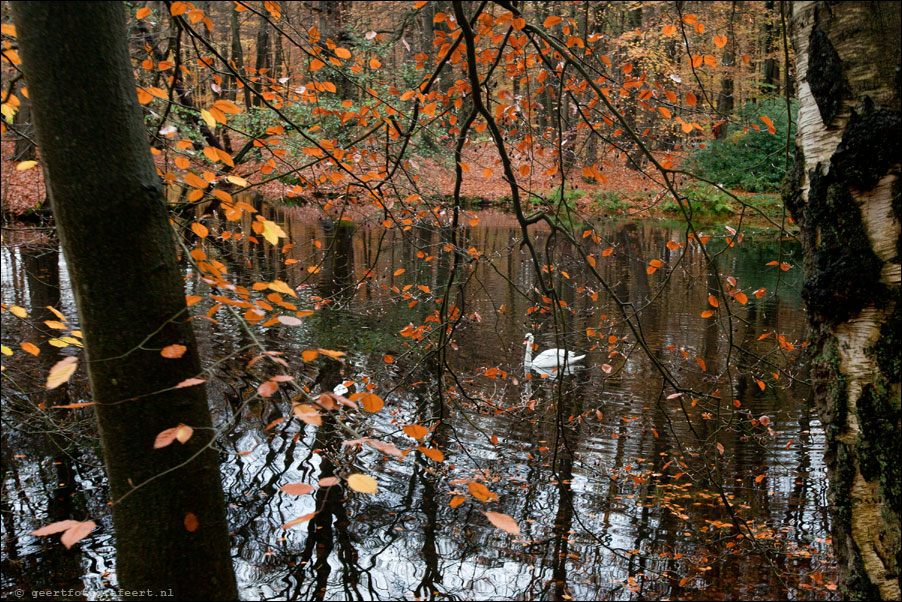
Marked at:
<point>617,489</point>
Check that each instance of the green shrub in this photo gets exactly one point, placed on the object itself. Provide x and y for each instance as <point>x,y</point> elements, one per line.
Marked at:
<point>610,201</point>
<point>747,159</point>
<point>705,201</point>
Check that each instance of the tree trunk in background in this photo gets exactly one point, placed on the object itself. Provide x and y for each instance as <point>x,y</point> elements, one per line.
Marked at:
<point>108,204</point>
<point>24,149</point>
<point>262,63</point>
<point>846,196</point>
<point>237,60</point>
<point>726,97</point>
<point>771,67</point>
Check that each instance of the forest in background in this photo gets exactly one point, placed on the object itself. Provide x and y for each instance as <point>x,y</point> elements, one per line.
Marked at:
<point>402,123</point>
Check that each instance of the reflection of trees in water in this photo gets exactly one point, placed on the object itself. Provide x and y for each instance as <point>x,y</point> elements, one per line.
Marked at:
<point>439,550</point>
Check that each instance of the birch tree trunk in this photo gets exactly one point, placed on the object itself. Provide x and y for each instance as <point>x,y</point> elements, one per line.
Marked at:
<point>845,195</point>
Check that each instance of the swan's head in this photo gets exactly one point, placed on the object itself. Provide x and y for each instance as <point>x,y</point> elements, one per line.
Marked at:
<point>528,338</point>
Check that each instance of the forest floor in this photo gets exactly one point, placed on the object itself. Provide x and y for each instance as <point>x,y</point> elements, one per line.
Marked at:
<point>624,190</point>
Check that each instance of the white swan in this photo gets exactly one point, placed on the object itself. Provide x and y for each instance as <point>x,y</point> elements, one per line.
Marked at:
<point>549,359</point>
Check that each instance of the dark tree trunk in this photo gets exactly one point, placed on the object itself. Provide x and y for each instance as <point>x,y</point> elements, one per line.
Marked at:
<point>771,68</point>
<point>24,149</point>
<point>113,225</point>
<point>263,62</point>
<point>725,99</point>
<point>237,59</point>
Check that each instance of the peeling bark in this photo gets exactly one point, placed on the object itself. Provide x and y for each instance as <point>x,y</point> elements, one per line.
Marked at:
<point>845,197</point>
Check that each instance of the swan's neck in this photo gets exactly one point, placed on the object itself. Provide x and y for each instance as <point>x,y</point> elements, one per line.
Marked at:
<point>527,359</point>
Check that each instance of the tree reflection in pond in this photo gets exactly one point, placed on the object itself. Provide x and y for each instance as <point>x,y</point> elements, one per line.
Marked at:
<point>600,468</point>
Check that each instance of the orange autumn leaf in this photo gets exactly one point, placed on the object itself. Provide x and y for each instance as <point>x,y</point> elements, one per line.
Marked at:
<point>181,433</point>
<point>73,531</point>
<point>31,348</point>
<point>415,431</point>
<point>371,402</point>
<point>296,488</point>
<point>191,523</point>
<point>200,229</point>
<point>298,520</point>
<point>431,453</point>
<point>267,388</point>
<point>481,492</point>
<point>503,522</point>
<point>173,351</point>
<point>457,500</point>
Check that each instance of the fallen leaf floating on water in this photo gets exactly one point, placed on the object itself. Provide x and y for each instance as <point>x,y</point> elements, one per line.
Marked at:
<point>481,492</point>
<point>298,520</point>
<point>362,483</point>
<point>503,522</point>
<point>296,488</point>
<point>73,530</point>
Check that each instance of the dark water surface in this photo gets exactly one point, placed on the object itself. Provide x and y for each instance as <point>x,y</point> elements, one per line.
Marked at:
<point>617,494</point>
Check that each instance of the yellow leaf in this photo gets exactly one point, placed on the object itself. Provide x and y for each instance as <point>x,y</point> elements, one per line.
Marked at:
<point>180,433</point>
<point>61,372</point>
<point>207,116</point>
<point>25,165</point>
<point>362,483</point>
<point>5,350</point>
<point>272,232</point>
<point>280,287</point>
<point>238,181</point>
<point>17,311</point>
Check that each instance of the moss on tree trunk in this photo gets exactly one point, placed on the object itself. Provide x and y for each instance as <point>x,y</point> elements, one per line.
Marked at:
<point>844,195</point>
